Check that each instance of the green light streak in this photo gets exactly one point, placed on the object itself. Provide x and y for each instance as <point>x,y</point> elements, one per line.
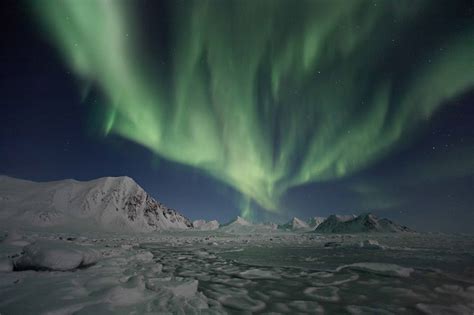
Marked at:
<point>267,95</point>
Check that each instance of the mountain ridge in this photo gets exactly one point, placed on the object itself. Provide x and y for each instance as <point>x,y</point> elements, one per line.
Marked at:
<point>108,203</point>
<point>366,222</point>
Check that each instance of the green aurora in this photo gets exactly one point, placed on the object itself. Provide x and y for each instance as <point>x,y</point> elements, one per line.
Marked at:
<point>267,95</point>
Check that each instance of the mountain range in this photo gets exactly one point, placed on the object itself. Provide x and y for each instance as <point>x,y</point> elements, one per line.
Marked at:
<point>119,203</point>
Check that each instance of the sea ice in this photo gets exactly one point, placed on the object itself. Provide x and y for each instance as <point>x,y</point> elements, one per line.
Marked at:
<point>179,286</point>
<point>6,265</point>
<point>256,273</point>
<point>327,294</point>
<point>55,255</point>
<point>380,268</point>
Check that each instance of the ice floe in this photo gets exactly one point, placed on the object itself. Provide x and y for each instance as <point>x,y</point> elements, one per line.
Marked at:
<point>380,268</point>
<point>55,255</point>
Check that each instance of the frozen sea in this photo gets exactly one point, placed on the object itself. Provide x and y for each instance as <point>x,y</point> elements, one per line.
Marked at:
<point>218,273</point>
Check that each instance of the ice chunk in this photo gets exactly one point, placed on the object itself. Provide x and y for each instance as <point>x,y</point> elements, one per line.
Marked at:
<point>310,307</point>
<point>15,239</point>
<point>120,296</point>
<point>55,255</point>
<point>256,273</point>
<point>365,310</point>
<point>443,309</point>
<point>332,279</point>
<point>325,294</point>
<point>179,286</point>
<point>380,268</point>
<point>144,256</point>
<point>242,302</point>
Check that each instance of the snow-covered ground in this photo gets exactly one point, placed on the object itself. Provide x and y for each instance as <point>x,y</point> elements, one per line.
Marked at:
<point>214,272</point>
<point>105,263</point>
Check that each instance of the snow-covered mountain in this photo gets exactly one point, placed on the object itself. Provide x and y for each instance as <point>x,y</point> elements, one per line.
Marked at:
<point>240,225</point>
<point>109,203</point>
<point>295,224</point>
<point>204,225</point>
<point>355,224</point>
<point>314,222</point>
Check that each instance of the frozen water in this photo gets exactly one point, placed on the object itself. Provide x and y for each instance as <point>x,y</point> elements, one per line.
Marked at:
<point>55,255</point>
<point>278,272</point>
<point>380,268</point>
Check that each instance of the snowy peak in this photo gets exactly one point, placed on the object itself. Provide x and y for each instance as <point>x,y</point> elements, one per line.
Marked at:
<point>239,225</point>
<point>295,224</point>
<point>358,224</point>
<point>111,203</point>
<point>239,221</point>
<point>314,222</point>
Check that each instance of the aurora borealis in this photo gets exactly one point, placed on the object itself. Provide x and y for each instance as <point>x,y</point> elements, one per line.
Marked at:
<point>267,96</point>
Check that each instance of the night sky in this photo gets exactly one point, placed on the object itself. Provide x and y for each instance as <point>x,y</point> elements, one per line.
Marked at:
<point>266,109</point>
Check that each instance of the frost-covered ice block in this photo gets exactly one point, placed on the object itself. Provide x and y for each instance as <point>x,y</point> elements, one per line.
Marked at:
<point>179,286</point>
<point>55,255</point>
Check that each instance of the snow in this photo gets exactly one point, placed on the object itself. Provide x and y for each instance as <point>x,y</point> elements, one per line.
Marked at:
<point>239,221</point>
<point>85,248</point>
<point>206,226</point>
<point>278,272</point>
<point>55,255</point>
<point>109,203</point>
<point>371,244</point>
<point>295,224</point>
<point>380,268</point>
<point>6,265</point>
<point>328,293</point>
<point>241,226</point>
<point>256,273</point>
<point>314,222</point>
<point>179,286</point>
<point>15,239</point>
<point>359,224</point>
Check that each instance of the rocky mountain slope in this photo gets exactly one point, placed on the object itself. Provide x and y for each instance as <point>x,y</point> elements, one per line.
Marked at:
<point>109,203</point>
<point>314,222</point>
<point>295,224</point>
<point>358,224</point>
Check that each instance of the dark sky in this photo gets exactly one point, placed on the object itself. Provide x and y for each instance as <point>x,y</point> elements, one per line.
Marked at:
<point>272,111</point>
